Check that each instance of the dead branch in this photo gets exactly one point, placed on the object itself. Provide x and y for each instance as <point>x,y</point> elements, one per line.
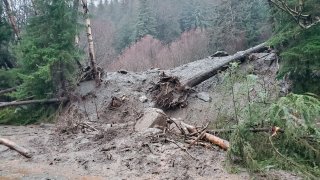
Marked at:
<point>305,21</point>
<point>209,137</point>
<point>201,136</point>
<point>203,129</point>
<point>19,103</point>
<point>26,153</point>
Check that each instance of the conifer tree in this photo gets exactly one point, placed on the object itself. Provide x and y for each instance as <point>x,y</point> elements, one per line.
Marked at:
<point>6,36</point>
<point>193,16</point>
<point>47,50</point>
<point>146,22</point>
<point>299,44</point>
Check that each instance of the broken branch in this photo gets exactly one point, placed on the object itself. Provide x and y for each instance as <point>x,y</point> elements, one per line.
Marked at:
<point>26,153</point>
<point>209,137</point>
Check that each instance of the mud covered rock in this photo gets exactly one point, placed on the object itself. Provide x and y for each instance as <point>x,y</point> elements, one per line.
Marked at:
<point>152,118</point>
<point>204,96</point>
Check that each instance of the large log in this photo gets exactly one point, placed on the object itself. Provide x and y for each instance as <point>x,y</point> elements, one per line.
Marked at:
<point>7,90</point>
<point>25,152</point>
<point>172,89</point>
<point>195,73</point>
<point>18,103</point>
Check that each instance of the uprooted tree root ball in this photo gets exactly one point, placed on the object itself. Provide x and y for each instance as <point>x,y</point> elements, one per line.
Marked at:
<point>168,93</point>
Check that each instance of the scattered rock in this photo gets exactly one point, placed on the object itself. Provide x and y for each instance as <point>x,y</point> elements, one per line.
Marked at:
<point>143,99</point>
<point>267,57</point>
<point>152,118</point>
<point>271,57</point>
<point>151,132</point>
<point>84,141</point>
<point>204,96</point>
<point>123,71</point>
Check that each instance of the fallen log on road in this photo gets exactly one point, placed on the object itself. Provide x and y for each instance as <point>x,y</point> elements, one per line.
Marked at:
<point>25,152</point>
<point>45,101</point>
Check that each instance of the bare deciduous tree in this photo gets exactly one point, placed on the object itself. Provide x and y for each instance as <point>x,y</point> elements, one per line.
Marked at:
<point>92,56</point>
<point>12,18</point>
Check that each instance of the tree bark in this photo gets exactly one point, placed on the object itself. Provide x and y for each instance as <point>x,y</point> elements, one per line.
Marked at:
<point>197,72</point>
<point>18,103</point>
<point>173,88</point>
<point>26,153</point>
<point>92,56</point>
<point>8,90</point>
<point>12,18</point>
<point>209,137</point>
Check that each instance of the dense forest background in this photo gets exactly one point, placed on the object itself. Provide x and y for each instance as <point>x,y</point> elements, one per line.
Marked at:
<point>139,34</point>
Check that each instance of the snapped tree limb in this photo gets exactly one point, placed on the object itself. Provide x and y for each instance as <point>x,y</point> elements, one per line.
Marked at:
<point>25,152</point>
<point>223,144</point>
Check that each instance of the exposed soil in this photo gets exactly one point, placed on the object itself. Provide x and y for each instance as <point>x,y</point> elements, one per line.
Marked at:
<point>94,137</point>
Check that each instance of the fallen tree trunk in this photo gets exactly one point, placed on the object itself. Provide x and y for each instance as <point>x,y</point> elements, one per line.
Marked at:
<point>46,101</point>
<point>173,88</point>
<point>8,90</point>
<point>207,73</point>
<point>25,152</point>
<point>224,144</point>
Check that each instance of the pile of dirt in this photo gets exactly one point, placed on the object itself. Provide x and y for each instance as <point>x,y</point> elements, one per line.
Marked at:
<point>94,137</point>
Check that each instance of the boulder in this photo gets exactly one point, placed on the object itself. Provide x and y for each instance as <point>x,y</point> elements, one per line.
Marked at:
<point>152,118</point>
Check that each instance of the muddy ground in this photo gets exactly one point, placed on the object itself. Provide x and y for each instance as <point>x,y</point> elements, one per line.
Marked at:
<point>92,139</point>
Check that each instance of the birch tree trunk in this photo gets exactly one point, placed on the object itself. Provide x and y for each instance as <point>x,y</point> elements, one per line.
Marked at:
<point>12,18</point>
<point>92,56</point>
